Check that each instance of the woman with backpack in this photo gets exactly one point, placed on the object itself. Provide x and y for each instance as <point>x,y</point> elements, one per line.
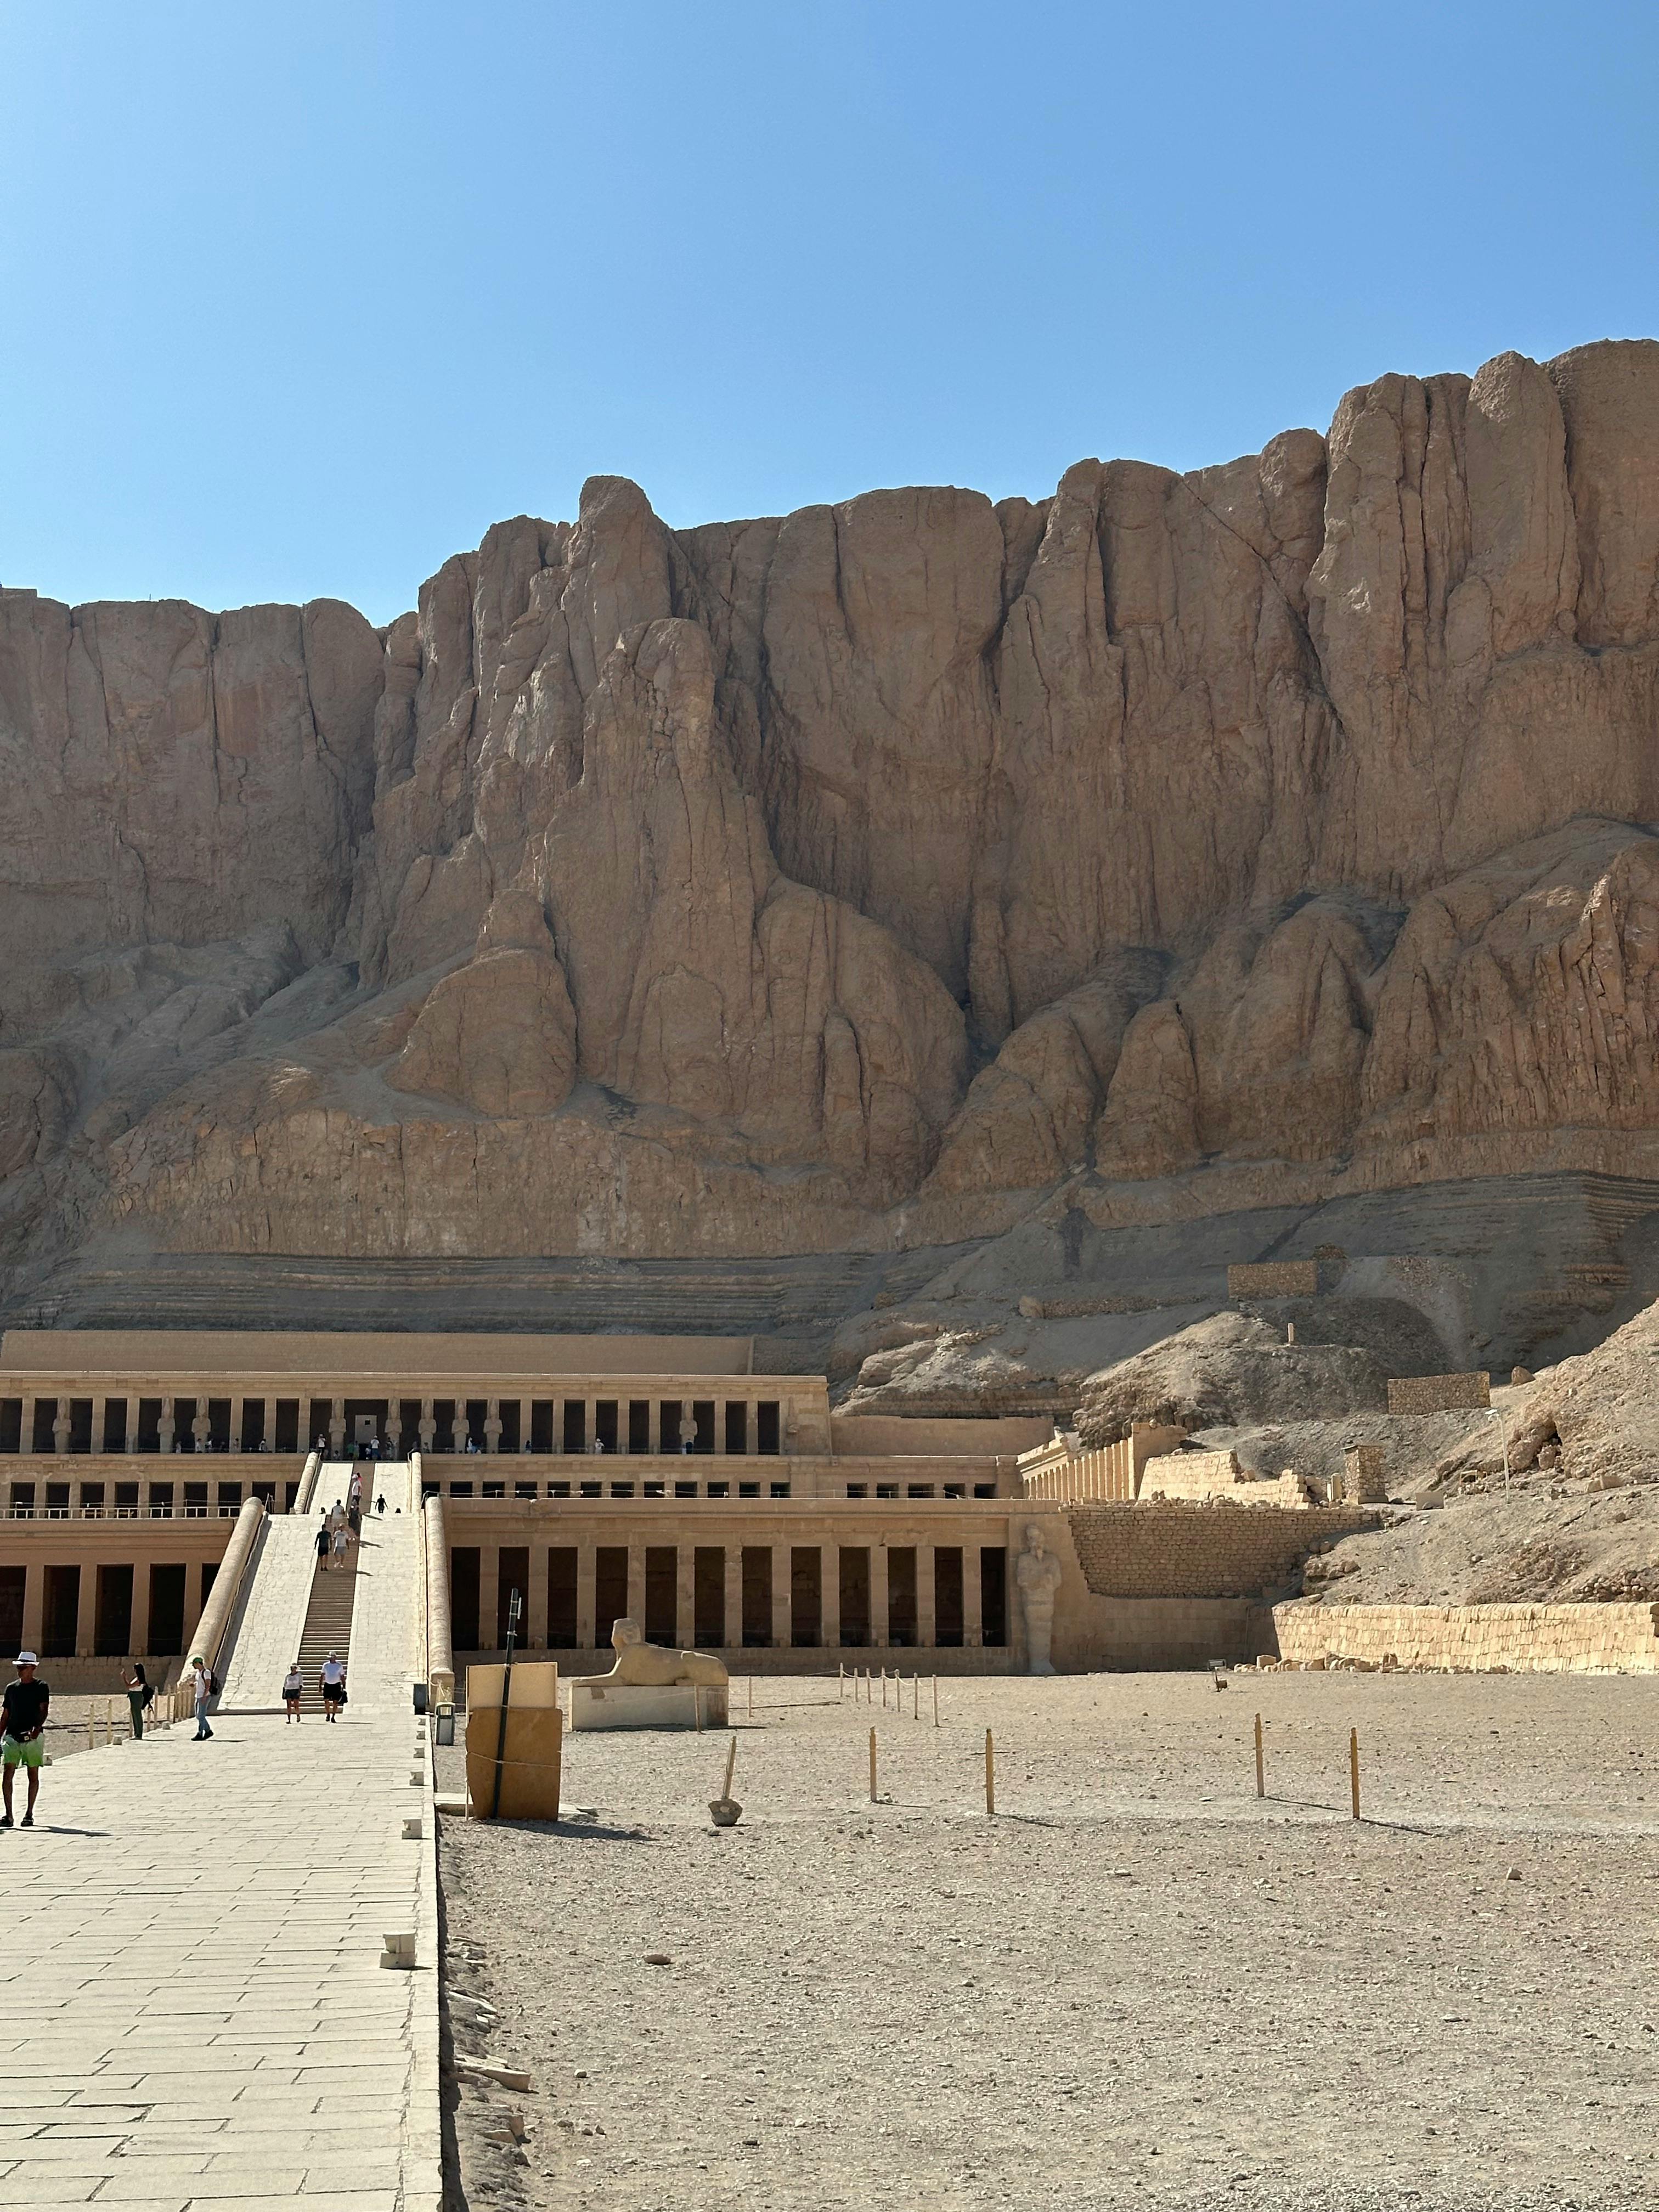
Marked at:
<point>202,1687</point>
<point>294,1684</point>
<point>141,1695</point>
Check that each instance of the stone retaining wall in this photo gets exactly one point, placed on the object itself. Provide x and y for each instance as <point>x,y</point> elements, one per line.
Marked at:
<point>1275,1278</point>
<point>1539,1639</point>
<point>1439,1394</point>
<point>1172,1549</point>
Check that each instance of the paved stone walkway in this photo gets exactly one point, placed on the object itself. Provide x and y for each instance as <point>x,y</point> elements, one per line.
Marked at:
<point>192,2010</point>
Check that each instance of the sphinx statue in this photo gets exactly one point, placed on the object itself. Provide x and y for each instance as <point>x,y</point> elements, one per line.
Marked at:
<point>642,1666</point>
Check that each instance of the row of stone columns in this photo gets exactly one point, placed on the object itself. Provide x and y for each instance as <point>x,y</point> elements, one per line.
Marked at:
<point>86,1620</point>
<point>591,1633</point>
<point>669,1422</point>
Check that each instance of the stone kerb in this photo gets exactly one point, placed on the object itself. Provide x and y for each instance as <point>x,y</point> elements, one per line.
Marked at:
<point>1550,1639</point>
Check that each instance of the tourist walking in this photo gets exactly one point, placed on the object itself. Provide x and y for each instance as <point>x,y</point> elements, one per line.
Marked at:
<point>23,1733</point>
<point>141,1695</point>
<point>355,1520</point>
<point>340,1545</point>
<point>325,1544</point>
<point>334,1687</point>
<point>380,1503</point>
<point>202,1686</point>
<point>293,1686</point>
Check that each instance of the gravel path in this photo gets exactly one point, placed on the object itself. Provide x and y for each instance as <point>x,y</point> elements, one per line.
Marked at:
<point>1138,1986</point>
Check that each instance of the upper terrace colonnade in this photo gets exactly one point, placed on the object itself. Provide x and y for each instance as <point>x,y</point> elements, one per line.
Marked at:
<point>129,1391</point>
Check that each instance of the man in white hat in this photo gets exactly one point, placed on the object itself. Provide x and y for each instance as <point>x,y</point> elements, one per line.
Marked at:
<point>23,1740</point>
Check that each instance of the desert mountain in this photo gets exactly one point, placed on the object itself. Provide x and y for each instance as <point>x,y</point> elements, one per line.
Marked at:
<point>1237,847</point>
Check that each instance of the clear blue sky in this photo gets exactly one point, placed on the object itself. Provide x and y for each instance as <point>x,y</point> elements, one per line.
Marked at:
<point>297,299</point>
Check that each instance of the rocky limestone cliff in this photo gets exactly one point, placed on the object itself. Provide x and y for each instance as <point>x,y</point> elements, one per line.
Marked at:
<point>899,874</point>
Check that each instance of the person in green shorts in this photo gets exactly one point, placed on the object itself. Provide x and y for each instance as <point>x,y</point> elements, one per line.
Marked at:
<point>23,1742</point>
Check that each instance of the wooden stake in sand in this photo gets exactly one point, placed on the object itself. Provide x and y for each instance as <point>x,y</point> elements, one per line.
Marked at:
<point>990,1774</point>
<point>92,1740</point>
<point>872,1766</point>
<point>697,1703</point>
<point>751,1696</point>
<point>883,1689</point>
<point>1260,1779</point>
<point>841,1684</point>
<point>731,1767</point>
<point>1353,1769</point>
<point>916,1697</point>
<point>936,1701</point>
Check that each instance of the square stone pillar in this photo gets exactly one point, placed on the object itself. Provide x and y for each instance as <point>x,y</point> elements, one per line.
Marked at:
<point>237,1408</point>
<point>337,1428</point>
<point>25,1440</point>
<point>685,1617</point>
<point>132,1426</point>
<point>535,1600</point>
<point>733,1596</point>
<point>138,1634</point>
<point>926,1599</point>
<point>35,1606</point>
<point>829,1595</point>
<point>489,1595</point>
<point>636,1584</point>
<point>586,1596</point>
<point>973,1623</point>
<point>86,1612</point>
<point>880,1623</point>
<point>783,1610</point>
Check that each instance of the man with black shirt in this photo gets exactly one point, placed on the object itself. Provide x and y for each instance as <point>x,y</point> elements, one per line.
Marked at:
<point>23,1743</point>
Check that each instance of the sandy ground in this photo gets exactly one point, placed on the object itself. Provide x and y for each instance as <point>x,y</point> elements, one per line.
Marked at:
<point>1137,1985</point>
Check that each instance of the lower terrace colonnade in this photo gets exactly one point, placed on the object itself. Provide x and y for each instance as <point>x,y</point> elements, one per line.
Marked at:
<point>731,1589</point>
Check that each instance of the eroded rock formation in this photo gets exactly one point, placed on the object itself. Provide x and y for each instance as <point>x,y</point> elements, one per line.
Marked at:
<point>865,877</point>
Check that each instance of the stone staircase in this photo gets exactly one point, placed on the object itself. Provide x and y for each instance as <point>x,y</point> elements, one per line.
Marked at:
<point>327,1625</point>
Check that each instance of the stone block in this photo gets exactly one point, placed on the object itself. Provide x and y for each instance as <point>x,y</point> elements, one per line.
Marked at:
<point>638,1705</point>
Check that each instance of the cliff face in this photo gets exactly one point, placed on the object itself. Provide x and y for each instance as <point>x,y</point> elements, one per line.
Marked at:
<point>865,877</point>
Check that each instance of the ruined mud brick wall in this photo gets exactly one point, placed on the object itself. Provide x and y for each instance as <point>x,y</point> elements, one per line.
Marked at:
<point>1174,1549</point>
<point>1275,1278</point>
<point>1364,1475</point>
<point>1537,1639</point>
<point>1439,1394</point>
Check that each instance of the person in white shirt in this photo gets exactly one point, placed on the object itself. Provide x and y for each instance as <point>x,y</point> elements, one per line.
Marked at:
<point>334,1689</point>
<point>294,1684</point>
<point>200,1678</point>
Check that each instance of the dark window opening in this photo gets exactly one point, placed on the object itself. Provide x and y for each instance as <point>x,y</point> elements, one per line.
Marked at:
<point>477,1413</point>
<point>541,1425</point>
<point>737,1424</point>
<point>994,1597</point>
<point>511,1437</point>
<point>287,1439</point>
<point>639,1424</point>
<point>604,1422</point>
<point>575,1424</point>
<point>668,1424</point>
<point>218,1420</point>
<point>464,1577</point>
<point>253,1425</point>
<point>167,1611</point>
<point>562,1598</point>
<point>62,1612</point>
<point>13,1583</point>
<point>149,1425</point>
<point>80,1429</point>
<point>11,1431</point>
<point>767,1425</point>
<point>702,1425</point>
<point>806,1597</point>
<point>45,1414</point>
<point>610,1591</point>
<point>947,1595</point>
<point>662,1567</point>
<point>111,1635</point>
<point>854,1574</point>
<point>756,1597</point>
